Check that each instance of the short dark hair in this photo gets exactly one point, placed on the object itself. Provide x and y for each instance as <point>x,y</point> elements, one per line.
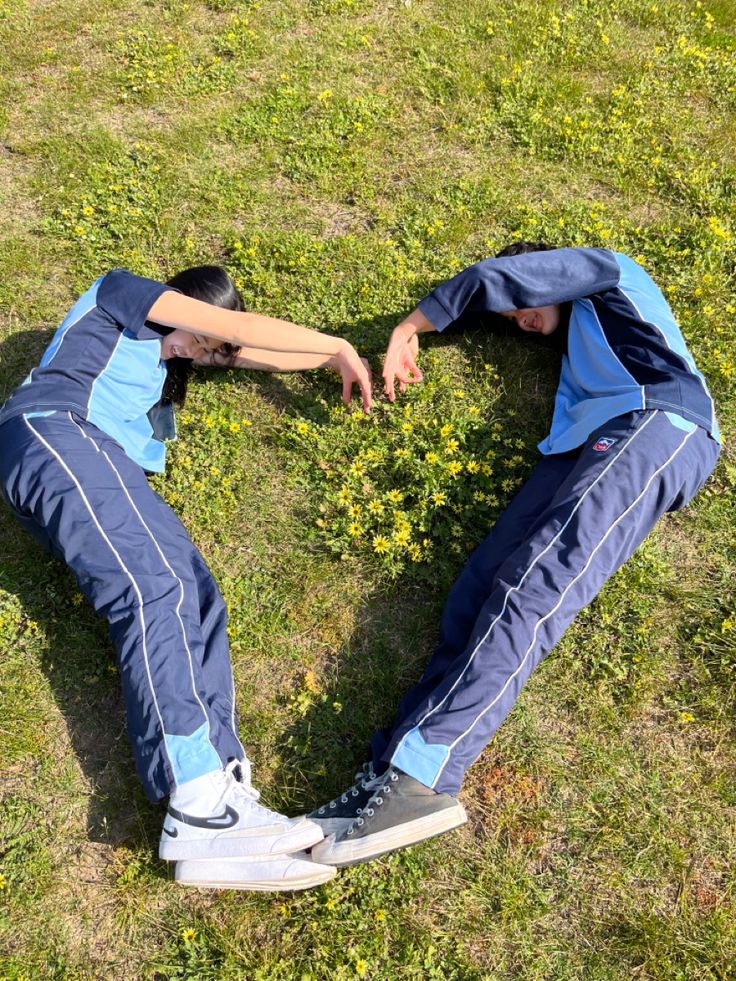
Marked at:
<point>211,284</point>
<point>521,248</point>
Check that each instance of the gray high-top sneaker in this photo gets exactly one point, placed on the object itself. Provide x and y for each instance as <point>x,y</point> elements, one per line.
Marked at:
<point>401,812</point>
<point>340,813</point>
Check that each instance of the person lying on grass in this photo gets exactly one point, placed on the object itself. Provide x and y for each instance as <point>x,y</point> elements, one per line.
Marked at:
<point>76,441</point>
<point>633,436</point>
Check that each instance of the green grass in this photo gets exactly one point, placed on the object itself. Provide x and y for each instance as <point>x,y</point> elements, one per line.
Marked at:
<point>340,158</point>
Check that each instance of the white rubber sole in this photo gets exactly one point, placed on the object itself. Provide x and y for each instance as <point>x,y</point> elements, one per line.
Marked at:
<point>352,851</point>
<point>286,873</point>
<point>247,843</point>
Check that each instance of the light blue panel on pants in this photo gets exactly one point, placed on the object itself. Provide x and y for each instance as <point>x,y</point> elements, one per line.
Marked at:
<point>192,756</point>
<point>420,759</point>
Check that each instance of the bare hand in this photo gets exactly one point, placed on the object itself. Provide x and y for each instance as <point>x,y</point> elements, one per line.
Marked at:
<point>400,363</point>
<point>354,370</point>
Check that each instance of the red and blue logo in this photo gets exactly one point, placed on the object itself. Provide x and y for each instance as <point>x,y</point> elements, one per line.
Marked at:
<point>603,444</point>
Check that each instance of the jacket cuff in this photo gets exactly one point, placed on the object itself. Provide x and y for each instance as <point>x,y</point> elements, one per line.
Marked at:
<point>435,312</point>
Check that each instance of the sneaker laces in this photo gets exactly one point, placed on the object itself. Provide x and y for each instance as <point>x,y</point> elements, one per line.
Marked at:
<point>364,776</point>
<point>238,773</point>
<point>375,800</point>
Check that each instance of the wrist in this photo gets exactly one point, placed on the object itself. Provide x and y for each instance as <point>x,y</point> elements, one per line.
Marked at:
<point>415,323</point>
<point>342,348</point>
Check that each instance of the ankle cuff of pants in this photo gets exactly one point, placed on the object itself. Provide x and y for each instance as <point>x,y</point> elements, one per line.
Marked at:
<point>191,756</point>
<point>421,760</point>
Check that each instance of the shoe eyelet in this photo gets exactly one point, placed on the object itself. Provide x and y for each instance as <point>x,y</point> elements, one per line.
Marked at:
<point>332,804</point>
<point>343,799</point>
<point>369,811</point>
<point>394,777</point>
<point>379,801</point>
<point>360,822</point>
<point>355,792</point>
<point>359,811</point>
<point>350,830</point>
<point>321,810</point>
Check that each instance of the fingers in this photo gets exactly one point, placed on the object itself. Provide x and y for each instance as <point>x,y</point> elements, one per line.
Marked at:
<point>414,373</point>
<point>363,380</point>
<point>388,380</point>
<point>407,373</point>
<point>365,390</point>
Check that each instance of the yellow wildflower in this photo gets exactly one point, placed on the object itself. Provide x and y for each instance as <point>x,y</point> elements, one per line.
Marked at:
<point>355,530</point>
<point>439,499</point>
<point>380,544</point>
<point>451,446</point>
<point>189,936</point>
<point>310,682</point>
<point>431,457</point>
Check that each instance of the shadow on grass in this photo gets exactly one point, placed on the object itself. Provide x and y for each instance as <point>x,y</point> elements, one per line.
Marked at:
<point>385,656</point>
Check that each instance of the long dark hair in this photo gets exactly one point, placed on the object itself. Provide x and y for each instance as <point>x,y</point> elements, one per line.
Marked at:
<point>212,285</point>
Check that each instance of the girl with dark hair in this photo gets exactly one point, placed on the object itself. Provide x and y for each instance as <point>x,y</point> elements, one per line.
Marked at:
<point>633,436</point>
<point>76,440</point>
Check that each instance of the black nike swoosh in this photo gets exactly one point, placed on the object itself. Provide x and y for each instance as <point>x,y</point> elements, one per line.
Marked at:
<point>220,822</point>
<point>172,834</point>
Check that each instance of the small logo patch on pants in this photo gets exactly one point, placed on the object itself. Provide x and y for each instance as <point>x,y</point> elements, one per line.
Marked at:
<point>603,444</point>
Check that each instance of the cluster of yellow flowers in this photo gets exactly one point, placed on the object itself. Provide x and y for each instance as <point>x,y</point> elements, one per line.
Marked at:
<point>406,485</point>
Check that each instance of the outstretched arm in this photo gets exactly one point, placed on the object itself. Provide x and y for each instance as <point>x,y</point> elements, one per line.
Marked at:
<point>244,329</point>
<point>268,334</point>
<point>532,279</point>
<point>346,364</point>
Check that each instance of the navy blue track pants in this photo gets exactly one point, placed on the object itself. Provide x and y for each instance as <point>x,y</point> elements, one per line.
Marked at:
<point>572,525</point>
<point>77,492</point>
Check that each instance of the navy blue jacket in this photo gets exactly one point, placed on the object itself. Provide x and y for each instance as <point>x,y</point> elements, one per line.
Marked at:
<point>624,351</point>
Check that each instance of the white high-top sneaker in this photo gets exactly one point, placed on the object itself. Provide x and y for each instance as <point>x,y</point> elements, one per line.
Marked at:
<point>218,816</point>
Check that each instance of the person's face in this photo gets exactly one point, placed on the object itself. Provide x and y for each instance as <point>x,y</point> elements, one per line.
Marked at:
<point>536,320</point>
<point>182,344</point>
